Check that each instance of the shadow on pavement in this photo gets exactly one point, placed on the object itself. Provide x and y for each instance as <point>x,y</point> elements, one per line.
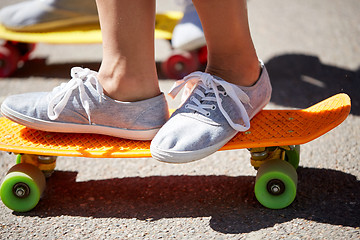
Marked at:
<point>324,195</point>
<point>302,80</point>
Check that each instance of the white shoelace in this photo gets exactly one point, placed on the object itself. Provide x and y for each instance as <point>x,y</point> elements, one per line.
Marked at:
<point>63,93</point>
<point>210,84</point>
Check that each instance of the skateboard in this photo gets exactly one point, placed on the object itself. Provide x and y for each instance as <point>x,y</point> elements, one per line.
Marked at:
<point>273,142</point>
<point>19,45</point>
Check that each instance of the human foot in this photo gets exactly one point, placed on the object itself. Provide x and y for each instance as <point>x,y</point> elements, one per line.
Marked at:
<point>213,113</point>
<point>80,106</point>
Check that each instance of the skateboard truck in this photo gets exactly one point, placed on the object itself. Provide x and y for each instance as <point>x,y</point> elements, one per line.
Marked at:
<point>261,155</point>
<point>46,164</point>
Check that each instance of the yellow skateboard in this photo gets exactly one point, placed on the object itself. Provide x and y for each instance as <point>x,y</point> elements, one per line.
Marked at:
<point>273,141</point>
<point>19,45</point>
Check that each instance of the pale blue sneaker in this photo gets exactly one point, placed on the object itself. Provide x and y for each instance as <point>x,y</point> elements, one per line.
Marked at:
<point>80,106</point>
<point>45,15</point>
<point>213,113</point>
<point>188,34</point>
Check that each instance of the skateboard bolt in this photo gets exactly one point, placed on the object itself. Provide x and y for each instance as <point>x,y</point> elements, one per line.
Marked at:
<point>21,190</point>
<point>275,187</point>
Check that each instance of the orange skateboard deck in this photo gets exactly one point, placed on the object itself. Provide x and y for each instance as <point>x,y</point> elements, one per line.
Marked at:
<point>273,141</point>
<point>268,128</point>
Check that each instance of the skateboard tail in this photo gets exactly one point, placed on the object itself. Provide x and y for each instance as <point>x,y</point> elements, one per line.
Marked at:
<point>293,127</point>
<point>338,108</point>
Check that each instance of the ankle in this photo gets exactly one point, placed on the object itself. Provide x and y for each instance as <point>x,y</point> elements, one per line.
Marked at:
<point>129,89</point>
<point>242,73</point>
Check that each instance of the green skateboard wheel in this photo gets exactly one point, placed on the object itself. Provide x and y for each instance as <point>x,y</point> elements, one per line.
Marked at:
<point>22,187</point>
<point>276,182</point>
<point>18,158</point>
<point>293,156</point>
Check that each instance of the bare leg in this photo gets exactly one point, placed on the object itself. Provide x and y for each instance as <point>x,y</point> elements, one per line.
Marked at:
<point>128,70</point>
<point>232,55</point>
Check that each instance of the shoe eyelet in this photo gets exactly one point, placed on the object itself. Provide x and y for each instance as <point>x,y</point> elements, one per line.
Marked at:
<point>213,107</point>
<point>207,114</point>
<point>187,106</point>
<point>225,94</point>
<point>192,98</point>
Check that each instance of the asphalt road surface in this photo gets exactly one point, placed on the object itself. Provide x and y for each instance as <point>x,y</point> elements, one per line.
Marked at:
<point>311,49</point>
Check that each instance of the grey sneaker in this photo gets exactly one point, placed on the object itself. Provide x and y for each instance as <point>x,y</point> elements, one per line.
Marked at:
<point>80,106</point>
<point>45,15</point>
<point>213,113</point>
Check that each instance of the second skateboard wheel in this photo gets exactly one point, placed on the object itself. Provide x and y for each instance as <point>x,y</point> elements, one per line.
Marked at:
<point>293,156</point>
<point>9,58</point>
<point>179,65</point>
